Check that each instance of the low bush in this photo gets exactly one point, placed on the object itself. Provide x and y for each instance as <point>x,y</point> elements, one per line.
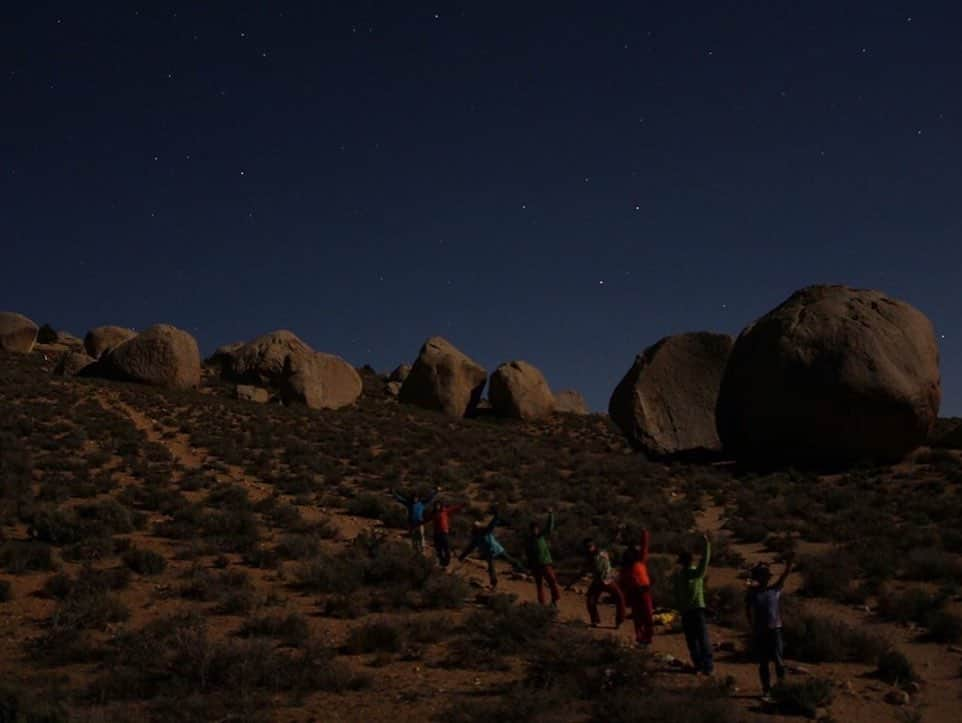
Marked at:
<point>943,627</point>
<point>6,594</point>
<point>145,562</point>
<point>292,629</point>
<point>817,639</point>
<point>912,605</point>
<point>17,557</point>
<point>895,668</point>
<point>803,698</point>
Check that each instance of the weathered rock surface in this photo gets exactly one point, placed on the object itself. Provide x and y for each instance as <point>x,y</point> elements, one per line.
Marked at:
<point>834,376</point>
<point>321,381</point>
<point>444,379</point>
<point>102,338</point>
<point>250,393</point>
<point>72,363</point>
<point>570,401</point>
<point>17,332</point>
<point>665,404</point>
<point>161,355</point>
<point>518,390</point>
<point>400,373</point>
<point>261,361</point>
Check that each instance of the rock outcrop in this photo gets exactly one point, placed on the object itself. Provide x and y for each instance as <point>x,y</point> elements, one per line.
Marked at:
<point>570,401</point>
<point>17,332</point>
<point>261,361</point>
<point>665,404</point>
<point>518,390</point>
<point>834,376</point>
<point>72,363</point>
<point>162,355</point>
<point>444,379</point>
<point>321,381</point>
<point>400,373</point>
<point>103,338</point>
<point>249,393</point>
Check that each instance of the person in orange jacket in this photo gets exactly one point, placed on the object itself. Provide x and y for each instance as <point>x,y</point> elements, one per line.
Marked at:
<point>440,518</point>
<point>635,583</point>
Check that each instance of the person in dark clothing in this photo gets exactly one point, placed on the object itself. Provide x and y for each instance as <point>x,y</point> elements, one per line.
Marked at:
<point>763,608</point>
<point>689,588</point>
<point>440,517</point>
<point>488,547</point>
<point>415,508</point>
<point>598,564</point>
<point>539,560</point>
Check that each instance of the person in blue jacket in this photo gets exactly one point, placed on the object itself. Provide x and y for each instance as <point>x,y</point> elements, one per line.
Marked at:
<point>484,541</point>
<point>416,508</point>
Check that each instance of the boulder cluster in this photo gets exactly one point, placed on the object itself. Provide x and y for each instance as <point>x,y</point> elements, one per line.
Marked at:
<point>832,377</point>
<point>445,379</point>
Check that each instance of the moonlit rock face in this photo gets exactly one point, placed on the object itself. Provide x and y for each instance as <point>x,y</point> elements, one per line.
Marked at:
<point>17,332</point>
<point>519,390</point>
<point>833,376</point>
<point>321,381</point>
<point>665,404</point>
<point>444,379</point>
<point>261,361</point>
<point>162,355</point>
<point>570,401</point>
<point>102,338</point>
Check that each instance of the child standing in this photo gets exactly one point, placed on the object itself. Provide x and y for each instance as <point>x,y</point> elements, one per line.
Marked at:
<point>598,564</point>
<point>415,508</point>
<point>488,547</point>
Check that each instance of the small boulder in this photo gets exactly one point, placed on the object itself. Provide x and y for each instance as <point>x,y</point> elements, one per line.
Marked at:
<point>570,401</point>
<point>832,377</point>
<point>393,388</point>
<point>665,404</point>
<point>17,332</point>
<point>162,355</point>
<point>249,393</point>
<point>321,381</point>
<point>518,390</point>
<point>102,338</point>
<point>72,363</point>
<point>898,697</point>
<point>400,373</point>
<point>444,379</point>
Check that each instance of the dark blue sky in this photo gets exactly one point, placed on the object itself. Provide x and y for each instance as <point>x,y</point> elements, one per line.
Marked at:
<point>370,174</point>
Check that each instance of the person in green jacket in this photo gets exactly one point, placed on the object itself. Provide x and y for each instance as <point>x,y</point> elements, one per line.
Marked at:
<point>539,559</point>
<point>689,588</point>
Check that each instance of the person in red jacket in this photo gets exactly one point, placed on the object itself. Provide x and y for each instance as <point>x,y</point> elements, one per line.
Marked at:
<point>440,517</point>
<point>635,583</point>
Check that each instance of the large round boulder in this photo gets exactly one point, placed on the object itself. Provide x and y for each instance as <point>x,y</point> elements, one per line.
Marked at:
<point>162,355</point>
<point>444,379</point>
<point>518,390</point>
<point>261,361</point>
<point>103,338</point>
<point>832,377</point>
<point>321,381</point>
<point>665,404</point>
<point>17,332</point>
<point>570,401</point>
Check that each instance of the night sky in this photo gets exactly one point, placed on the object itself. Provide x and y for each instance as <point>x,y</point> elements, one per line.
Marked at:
<point>558,182</point>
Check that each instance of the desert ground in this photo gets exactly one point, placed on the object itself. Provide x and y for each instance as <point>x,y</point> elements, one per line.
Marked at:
<point>184,555</point>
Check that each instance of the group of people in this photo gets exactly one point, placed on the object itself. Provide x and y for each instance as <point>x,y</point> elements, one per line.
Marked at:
<point>628,584</point>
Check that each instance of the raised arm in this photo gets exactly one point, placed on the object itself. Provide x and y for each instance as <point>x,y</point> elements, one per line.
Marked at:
<point>400,498</point>
<point>643,547</point>
<point>549,525</point>
<point>495,521</point>
<point>454,509</point>
<point>430,498</point>
<point>705,559</point>
<point>780,583</point>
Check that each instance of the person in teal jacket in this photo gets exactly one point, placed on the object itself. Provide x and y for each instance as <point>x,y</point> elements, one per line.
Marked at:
<point>689,589</point>
<point>539,559</point>
<point>488,547</point>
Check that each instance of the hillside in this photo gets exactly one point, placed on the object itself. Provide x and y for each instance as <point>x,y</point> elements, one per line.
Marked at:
<point>188,556</point>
